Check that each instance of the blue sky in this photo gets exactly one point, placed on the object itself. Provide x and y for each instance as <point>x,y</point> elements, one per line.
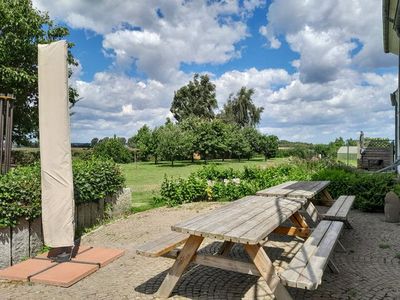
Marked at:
<point>318,68</point>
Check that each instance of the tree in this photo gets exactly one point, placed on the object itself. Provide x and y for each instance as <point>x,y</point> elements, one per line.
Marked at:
<point>270,145</point>
<point>241,110</point>
<point>238,144</point>
<point>22,28</point>
<point>93,142</point>
<point>113,148</point>
<point>254,137</point>
<point>173,142</point>
<point>142,140</point>
<point>195,99</point>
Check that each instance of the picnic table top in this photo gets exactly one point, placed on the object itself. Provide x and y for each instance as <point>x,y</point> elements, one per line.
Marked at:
<point>248,220</point>
<point>295,189</point>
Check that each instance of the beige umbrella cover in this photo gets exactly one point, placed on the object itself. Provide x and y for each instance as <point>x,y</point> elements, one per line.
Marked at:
<point>55,147</point>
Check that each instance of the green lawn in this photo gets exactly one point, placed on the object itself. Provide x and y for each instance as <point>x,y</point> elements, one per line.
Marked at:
<point>145,178</point>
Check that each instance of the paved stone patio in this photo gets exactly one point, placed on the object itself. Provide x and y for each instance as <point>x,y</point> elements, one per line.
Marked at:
<point>369,270</point>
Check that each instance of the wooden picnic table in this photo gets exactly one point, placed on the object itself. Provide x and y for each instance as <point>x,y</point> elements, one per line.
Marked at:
<point>247,221</point>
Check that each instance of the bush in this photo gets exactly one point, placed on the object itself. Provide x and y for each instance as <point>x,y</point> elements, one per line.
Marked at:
<point>114,149</point>
<point>20,193</point>
<point>25,157</point>
<point>219,184</point>
<point>369,188</point>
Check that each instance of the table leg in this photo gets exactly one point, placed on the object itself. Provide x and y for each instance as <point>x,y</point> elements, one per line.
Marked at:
<point>327,198</point>
<point>181,263</point>
<point>312,211</point>
<point>225,248</point>
<point>267,271</point>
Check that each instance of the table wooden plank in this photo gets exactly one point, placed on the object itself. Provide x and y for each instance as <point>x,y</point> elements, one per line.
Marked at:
<point>296,189</point>
<point>265,220</point>
<point>235,222</point>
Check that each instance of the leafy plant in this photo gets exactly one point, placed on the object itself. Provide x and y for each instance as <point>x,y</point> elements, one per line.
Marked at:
<point>20,190</point>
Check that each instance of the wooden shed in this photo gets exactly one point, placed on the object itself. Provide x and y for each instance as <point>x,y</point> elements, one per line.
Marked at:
<point>376,154</point>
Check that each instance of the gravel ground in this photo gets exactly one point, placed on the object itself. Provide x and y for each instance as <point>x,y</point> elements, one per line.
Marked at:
<point>368,270</point>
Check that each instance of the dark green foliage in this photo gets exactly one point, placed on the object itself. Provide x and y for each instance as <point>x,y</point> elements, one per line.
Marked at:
<point>20,193</point>
<point>269,145</point>
<point>95,179</point>
<point>240,109</point>
<point>25,158</point>
<point>369,188</point>
<point>113,148</point>
<point>22,28</point>
<point>219,184</point>
<point>173,142</point>
<point>196,99</point>
<point>143,141</point>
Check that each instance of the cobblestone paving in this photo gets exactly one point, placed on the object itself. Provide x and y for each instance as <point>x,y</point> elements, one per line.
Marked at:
<point>368,270</point>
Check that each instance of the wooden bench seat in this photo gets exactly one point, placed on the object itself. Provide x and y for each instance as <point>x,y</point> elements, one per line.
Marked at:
<point>307,267</point>
<point>340,210</point>
<point>162,245</point>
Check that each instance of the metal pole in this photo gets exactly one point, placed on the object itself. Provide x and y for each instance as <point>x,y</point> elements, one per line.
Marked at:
<point>10,128</point>
<point>7,141</point>
<point>1,133</point>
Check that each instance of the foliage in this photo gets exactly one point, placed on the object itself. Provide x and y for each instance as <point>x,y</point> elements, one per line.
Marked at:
<point>113,148</point>
<point>25,157</point>
<point>95,179</point>
<point>219,184</point>
<point>143,140</point>
<point>369,188</point>
<point>22,28</point>
<point>94,142</point>
<point>269,145</point>
<point>173,142</point>
<point>197,98</point>
<point>240,109</point>
<point>20,190</point>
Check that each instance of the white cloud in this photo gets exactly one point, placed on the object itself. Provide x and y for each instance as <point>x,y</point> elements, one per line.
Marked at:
<point>324,33</point>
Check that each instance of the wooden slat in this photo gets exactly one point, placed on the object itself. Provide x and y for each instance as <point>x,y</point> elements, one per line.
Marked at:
<point>296,189</point>
<point>311,276</point>
<point>162,245</point>
<point>293,231</point>
<point>265,210</point>
<point>239,219</point>
<point>345,208</point>
<point>333,210</point>
<point>226,264</point>
<point>299,262</point>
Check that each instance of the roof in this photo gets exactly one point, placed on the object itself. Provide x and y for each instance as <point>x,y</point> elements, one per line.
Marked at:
<point>391,25</point>
<point>352,149</point>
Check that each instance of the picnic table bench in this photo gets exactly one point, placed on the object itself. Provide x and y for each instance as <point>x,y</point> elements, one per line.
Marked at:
<point>249,221</point>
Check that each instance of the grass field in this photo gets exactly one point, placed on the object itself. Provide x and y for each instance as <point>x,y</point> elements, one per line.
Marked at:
<point>145,178</point>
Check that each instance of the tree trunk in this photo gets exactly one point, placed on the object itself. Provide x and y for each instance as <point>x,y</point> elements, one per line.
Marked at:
<point>172,162</point>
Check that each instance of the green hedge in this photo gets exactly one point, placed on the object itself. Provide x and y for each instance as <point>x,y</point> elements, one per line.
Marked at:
<point>369,188</point>
<point>214,183</point>
<point>20,194</point>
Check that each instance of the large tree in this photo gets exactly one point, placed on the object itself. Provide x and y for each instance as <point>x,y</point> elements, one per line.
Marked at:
<point>142,140</point>
<point>22,28</point>
<point>197,98</point>
<point>241,110</point>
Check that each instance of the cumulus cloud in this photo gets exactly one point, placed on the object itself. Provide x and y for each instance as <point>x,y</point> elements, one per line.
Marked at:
<point>324,34</point>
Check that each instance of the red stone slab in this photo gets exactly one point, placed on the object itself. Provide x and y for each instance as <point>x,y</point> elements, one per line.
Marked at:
<point>25,269</point>
<point>64,274</point>
<point>100,256</point>
<point>54,252</point>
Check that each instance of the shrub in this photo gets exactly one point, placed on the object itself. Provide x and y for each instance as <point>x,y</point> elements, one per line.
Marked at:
<point>369,188</point>
<point>25,157</point>
<point>114,149</point>
<point>20,193</point>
